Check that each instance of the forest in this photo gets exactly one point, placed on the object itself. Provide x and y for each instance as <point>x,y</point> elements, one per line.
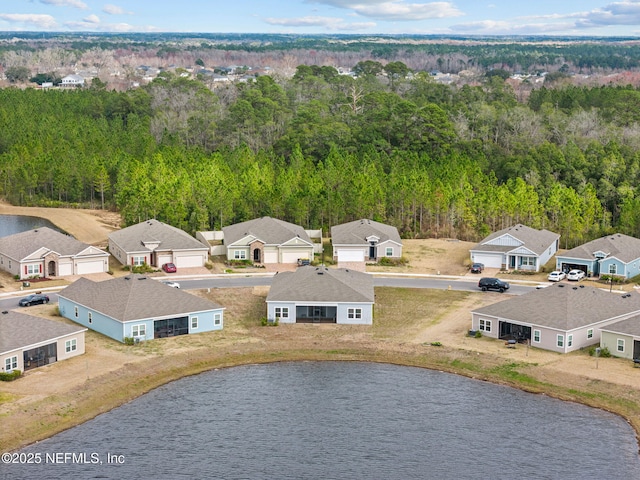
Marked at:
<point>320,148</point>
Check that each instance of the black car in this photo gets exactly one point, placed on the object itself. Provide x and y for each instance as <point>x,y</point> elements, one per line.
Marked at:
<point>477,268</point>
<point>35,299</point>
<point>488,283</point>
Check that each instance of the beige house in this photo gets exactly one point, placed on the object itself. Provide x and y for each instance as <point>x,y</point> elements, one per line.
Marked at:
<point>623,338</point>
<point>44,252</point>
<point>365,240</point>
<point>28,342</point>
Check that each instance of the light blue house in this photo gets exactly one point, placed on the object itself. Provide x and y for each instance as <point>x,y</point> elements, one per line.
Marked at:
<point>137,307</point>
<point>321,295</point>
<point>616,254</point>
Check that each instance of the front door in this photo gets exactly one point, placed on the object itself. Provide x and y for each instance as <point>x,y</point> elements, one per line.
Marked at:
<point>256,255</point>
<point>636,349</point>
<point>372,250</point>
<point>51,269</point>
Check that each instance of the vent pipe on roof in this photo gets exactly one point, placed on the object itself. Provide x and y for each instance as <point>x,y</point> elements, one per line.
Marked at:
<point>4,312</point>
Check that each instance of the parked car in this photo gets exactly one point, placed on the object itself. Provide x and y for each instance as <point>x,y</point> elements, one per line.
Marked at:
<point>35,299</point>
<point>172,284</point>
<point>477,268</point>
<point>575,275</point>
<point>489,283</point>
<point>556,276</point>
<point>169,268</point>
<point>303,262</point>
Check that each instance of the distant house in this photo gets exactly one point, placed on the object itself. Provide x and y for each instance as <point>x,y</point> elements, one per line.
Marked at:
<point>561,318</point>
<point>622,338</point>
<point>516,248</point>
<point>44,252</point>
<point>72,81</point>
<point>267,240</point>
<point>28,342</point>
<point>155,243</point>
<point>321,295</point>
<point>139,307</point>
<point>364,240</point>
<point>616,254</point>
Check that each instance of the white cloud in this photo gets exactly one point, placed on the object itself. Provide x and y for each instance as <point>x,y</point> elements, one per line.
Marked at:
<point>92,19</point>
<point>395,10</point>
<point>66,3</point>
<point>330,23</point>
<point>88,25</point>
<point>494,27</point>
<point>40,21</point>
<point>115,10</point>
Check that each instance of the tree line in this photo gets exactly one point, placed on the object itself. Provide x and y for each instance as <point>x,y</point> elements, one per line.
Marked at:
<point>322,148</point>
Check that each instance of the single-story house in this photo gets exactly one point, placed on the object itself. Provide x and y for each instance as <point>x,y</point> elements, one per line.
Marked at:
<point>44,252</point>
<point>155,243</point>
<point>267,240</point>
<point>72,81</point>
<point>363,240</point>
<point>27,342</point>
<point>561,318</point>
<point>616,254</point>
<point>516,248</point>
<point>137,307</point>
<point>622,338</point>
<point>321,295</point>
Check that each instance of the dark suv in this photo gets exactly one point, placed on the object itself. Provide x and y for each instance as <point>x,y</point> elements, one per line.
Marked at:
<point>489,283</point>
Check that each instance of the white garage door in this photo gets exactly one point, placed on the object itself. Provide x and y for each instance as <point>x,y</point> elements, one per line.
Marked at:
<point>490,261</point>
<point>189,261</point>
<point>351,255</point>
<point>65,269</point>
<point>97,266</point>
<point>162,259</point>
<point>292,257</point>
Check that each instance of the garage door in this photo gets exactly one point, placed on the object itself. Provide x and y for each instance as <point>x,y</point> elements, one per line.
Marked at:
<point>292,257</point>
<point>189,261</point>
<point>162,259</point>
<point>490,261</point>
<point>97,266</point>
<point>350,255</point>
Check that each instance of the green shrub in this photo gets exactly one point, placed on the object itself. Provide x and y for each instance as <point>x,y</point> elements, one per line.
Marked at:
<point>604,352</point>
<point>144,268</point>
<point>617,279</point>
<point>436,344</point>
<point>265,322</point>
<point>392,262</point>
<point>478,334</point>
<point>129,340</point>
<point>10,376</point>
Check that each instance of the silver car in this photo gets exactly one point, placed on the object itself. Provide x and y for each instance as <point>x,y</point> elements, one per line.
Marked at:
<point>575,275</point>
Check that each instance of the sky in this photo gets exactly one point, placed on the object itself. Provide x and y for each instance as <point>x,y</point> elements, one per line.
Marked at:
<point>458,17</point>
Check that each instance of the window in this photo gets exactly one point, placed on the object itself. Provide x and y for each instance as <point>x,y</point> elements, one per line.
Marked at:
<point>590,333</point>
<point>536,336</point>
<point>569,340</point>
<point>613,268</point>
<point>620,345</point>
<point>388,251</point>
<point>282,312</point>
<point>75,311</point>
<point>217,319</point>
<point>354,313</point>
<point>560,341</point>
<point>239,255</point>
<point>71,345</point>
<point>9,264</point>
<point>10,363</point>
<point>33,269</point>
<point>528,261</point>
<point>194,322</point>
<point>139,330</point>
<point>90,317</point>
<point>137,261</point>
<point>485,325</point>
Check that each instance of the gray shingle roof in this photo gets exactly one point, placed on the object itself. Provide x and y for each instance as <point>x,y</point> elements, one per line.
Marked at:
<point>21,245</point>
<point>564,306</point>
<point>356,232</point>
<point>630,326</point>
<point>18,330</point>
<point>320,284</point>
<point>270,230</point>
<point>618,245</point>
<point>170,238</point>
<point>134,297</point>
<point>535,240</point>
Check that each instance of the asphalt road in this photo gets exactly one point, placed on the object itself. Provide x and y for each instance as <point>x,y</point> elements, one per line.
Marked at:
<point>233,281</point>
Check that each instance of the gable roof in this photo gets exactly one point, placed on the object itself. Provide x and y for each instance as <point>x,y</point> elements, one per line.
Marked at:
<point>132,239</point>
<point>321,284</point>
<point>134,297</point>
<point>623,247</point>
<point>18,330</point>
<point>270,230</point>
<point>534,240</point>
<point>564,307</point>
<point>21,245</point>
<point>357,232</point>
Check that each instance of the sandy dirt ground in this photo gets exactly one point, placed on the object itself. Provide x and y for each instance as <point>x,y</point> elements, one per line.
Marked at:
<point>108,365</point>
